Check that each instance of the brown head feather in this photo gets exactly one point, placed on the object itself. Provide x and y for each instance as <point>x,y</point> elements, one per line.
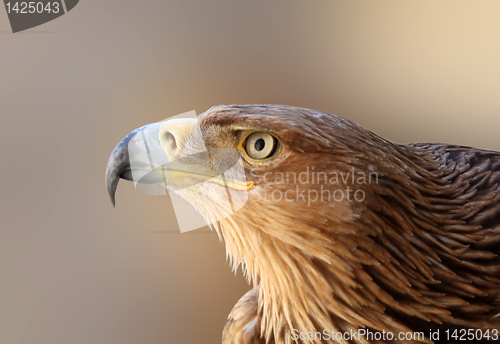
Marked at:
<point>418,250</point>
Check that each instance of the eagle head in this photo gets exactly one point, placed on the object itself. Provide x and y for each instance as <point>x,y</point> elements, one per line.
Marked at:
<point>336,227</point>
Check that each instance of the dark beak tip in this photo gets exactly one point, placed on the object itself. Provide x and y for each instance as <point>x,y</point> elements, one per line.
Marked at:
<point>112,199</point>
<point>111,184</point>
<point>117,164</point>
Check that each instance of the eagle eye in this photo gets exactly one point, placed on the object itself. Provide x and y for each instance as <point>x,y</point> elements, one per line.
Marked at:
<point>261,145</point>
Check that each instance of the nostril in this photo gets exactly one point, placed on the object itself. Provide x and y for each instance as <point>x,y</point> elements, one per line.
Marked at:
<point>170,141</point>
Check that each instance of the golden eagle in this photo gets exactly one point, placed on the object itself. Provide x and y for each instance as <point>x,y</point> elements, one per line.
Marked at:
<point>376,236</point>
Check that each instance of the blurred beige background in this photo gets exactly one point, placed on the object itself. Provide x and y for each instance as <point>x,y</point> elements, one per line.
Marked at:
<point>75,270</point>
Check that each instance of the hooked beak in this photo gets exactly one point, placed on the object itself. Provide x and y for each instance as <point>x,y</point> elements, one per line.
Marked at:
<point>119,165</point>
<point>154,154</point>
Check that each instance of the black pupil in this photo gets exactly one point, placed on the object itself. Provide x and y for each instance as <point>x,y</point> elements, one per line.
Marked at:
<point>259,144</point>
